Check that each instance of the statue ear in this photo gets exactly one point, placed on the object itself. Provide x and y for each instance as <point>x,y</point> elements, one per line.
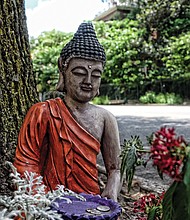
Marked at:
<point>61,83</point>
<point>98,93</point>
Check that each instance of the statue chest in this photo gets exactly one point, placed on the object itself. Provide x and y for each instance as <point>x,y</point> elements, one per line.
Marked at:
<point>92,123</point>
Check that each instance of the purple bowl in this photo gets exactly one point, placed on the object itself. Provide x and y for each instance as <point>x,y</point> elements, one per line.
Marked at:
<point>94,208</point>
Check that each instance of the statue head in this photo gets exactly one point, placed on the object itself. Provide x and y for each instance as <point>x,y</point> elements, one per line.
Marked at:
<point>83,46</point>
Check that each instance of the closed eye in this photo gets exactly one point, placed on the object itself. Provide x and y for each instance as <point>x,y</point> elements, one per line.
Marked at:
<point>96,73</point>
<point>79,71</point>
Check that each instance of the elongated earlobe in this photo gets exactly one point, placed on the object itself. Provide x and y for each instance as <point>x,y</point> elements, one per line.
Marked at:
<point>61,84</point>
<point>98,93</point>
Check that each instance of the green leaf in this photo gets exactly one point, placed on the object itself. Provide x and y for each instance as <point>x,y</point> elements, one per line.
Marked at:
<point>130,158</point>
<point>167,202</point>
<point>175,202</point>
<point>128,161</point>
<point>186,181</point>
<point>180,201</point>
<point>130,168</point>
<point>153,213</point>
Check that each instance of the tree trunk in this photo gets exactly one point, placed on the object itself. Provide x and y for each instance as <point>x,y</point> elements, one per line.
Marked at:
<point>17,81</point>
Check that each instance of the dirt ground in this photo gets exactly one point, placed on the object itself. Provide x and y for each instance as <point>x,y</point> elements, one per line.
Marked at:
<point>145,181</point>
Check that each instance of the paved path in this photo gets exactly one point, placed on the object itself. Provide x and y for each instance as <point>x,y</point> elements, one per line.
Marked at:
<point>142,120</point>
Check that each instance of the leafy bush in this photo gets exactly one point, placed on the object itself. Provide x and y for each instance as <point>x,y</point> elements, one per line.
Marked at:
<point>168,98</point>
<point>152,47</point>
<point>161,98</point>
<point>101,100</point>
<point>122,42</point>
<point>45,51</point>
<point>149,97</point>
<point>177,56</point>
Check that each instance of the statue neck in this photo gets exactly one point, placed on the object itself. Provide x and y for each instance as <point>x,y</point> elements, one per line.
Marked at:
<point>74,105</point>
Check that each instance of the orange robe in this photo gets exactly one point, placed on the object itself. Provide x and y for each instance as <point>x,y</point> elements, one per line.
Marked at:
<point>52,144</point>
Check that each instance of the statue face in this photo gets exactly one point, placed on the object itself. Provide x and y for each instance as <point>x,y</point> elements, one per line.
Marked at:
<point>82,79</point>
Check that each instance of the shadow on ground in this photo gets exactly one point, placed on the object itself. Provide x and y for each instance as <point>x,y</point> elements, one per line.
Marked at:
<point>144,126</point>
<point>146,180</point>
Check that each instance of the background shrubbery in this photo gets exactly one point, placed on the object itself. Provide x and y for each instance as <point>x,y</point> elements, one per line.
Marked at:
<point>101,100</point>
<point>149,48</point>
<point>162,98</point>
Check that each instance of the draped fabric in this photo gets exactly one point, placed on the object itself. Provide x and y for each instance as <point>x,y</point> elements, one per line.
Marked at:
<point>52,144</point>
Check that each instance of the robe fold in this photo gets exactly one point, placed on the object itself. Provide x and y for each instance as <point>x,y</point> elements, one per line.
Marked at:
<point>52,144</point>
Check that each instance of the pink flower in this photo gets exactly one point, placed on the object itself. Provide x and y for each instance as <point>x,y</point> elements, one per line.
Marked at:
<point>167,152</point>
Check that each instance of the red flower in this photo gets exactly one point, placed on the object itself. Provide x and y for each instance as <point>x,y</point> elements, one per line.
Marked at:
<point>145,203</point>
<point>167,152</point>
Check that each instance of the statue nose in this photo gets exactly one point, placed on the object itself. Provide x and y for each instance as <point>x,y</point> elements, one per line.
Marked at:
<point>88,79</point>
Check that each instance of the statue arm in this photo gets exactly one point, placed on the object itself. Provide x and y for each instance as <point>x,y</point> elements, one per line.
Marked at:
<point>31,140</point>
<point>111,154</point>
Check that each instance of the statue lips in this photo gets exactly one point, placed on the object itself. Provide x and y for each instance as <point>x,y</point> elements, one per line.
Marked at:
<point>86,87</point>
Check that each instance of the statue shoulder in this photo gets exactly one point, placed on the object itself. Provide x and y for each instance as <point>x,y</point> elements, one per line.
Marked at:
<point>45,107</point>
<point>106,114</point>
<point>39,106</point>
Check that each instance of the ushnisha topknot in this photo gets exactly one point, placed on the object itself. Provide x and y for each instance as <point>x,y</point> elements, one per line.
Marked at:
<point>84,44</point>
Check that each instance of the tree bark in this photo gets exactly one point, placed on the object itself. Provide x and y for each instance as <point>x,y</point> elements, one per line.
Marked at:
<point>17,81</point>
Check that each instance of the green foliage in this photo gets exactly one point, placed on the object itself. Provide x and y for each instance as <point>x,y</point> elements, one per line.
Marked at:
<point>177,56</point>
<point>163,20</point>
<point>147,49</point>
<point>161,98</point>
<point>122,41</point>
<point>175,202</point>
<point>101,100</point>
<point>130,158</point>
<point>153,213</point>
<point>45,52</point>
<point>149,97</point>
<point>167,203</point>
<point>186,180</point>
<point>168,17</point>
<point>153,47</point>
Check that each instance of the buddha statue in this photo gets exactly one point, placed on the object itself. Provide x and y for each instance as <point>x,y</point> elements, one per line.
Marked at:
<point>61,138</point>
